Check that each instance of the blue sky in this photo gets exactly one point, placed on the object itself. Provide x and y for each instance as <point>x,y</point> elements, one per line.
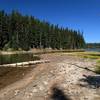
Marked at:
<point>76,14</point>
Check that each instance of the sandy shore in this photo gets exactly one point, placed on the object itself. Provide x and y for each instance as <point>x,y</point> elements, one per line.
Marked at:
<point>65,76</point>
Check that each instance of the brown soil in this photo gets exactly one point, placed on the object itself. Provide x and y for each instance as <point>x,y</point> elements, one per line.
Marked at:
<point>9,75</point>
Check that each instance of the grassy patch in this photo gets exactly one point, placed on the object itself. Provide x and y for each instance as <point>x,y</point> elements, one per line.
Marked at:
<point>89,55</point>
<point>98,61</point>
<point>97,69</point>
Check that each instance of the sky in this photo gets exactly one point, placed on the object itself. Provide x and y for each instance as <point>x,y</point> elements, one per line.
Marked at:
<point>83,15</point>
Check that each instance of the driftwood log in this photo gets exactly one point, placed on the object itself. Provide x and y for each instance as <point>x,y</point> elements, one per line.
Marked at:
<point>25,63</point>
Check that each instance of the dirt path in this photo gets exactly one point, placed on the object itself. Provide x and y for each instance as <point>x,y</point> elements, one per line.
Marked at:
<point>64,78</point>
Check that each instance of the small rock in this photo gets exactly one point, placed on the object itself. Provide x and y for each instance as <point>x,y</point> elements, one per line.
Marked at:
<point>34,90</point>
<point>16,92</point>
<point>28,95</point>
<point>34,85</point>
<point>64,85</point>
<point>46,83</point>
<point>41,88</point>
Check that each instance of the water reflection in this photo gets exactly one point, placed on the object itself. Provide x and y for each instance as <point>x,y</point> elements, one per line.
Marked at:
<point>15,58</point>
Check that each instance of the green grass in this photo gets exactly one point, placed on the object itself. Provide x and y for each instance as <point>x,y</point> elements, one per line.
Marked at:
<point>98,61</point>
<point>95,56</point>
<point>90,55</point>
<point>97,69</point>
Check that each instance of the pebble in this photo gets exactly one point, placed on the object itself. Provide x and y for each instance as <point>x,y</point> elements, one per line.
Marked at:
<point>41,88</point>
<point>28,95</point>
<point>45,83</point>
<point>16,92</point>
<point>34,90</point>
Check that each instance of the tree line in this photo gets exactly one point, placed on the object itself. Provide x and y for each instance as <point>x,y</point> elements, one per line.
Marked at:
<point>93,45</point>
<point>24,32</point>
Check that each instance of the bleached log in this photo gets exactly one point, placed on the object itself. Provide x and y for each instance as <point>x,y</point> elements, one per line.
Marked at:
<point>21,64</point>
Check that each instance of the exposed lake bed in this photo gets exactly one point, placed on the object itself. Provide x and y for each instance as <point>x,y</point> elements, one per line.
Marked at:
<point>70,72</point>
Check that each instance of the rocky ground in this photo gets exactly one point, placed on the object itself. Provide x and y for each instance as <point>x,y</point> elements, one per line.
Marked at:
<point>66,77</point>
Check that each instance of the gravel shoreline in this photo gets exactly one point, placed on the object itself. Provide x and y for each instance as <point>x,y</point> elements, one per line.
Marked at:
<point>71,76</point>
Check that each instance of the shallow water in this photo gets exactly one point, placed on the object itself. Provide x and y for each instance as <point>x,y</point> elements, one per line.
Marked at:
<point>15,58</point>
<point>93,49</point>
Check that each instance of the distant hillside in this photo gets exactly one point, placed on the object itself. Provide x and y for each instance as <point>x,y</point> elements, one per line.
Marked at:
<point>19,31</point>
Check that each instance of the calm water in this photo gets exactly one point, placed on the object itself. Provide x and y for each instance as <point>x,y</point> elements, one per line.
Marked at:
<point>93,49</point>
<point>15,58</point>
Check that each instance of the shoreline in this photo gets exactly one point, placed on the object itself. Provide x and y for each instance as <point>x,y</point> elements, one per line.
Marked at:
<point>41,51</point>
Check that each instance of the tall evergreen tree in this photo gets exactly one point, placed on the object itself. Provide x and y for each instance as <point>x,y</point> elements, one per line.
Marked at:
<point>25,32</point>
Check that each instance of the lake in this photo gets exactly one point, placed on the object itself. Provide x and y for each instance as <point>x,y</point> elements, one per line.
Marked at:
<point>15,58</point>
<point>93,49</point>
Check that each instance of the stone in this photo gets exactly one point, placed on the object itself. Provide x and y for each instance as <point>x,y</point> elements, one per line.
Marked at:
<point>41,88</point>
<point>45,83</point>
<point>16,92</point>
<point>34,90</point>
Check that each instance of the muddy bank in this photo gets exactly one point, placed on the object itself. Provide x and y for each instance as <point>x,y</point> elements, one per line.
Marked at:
<point>9,75</point>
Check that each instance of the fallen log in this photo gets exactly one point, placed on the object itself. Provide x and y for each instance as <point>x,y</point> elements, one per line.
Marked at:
<point>21,64</point>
